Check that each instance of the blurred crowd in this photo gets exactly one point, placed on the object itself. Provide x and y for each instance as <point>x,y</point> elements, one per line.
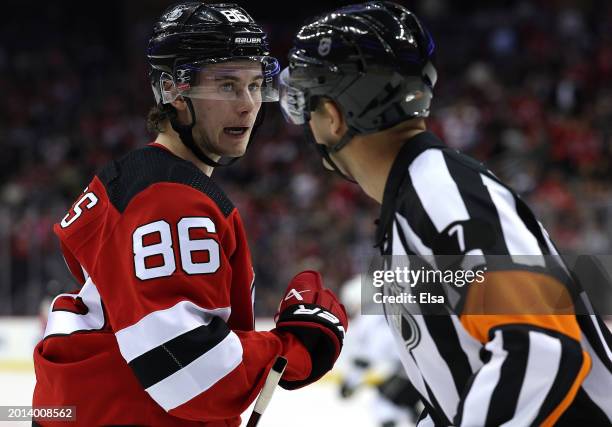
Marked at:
<point>523,86</point>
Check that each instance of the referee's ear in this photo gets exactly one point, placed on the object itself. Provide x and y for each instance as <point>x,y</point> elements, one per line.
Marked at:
<point>327,122</point>
<point>336,121</point>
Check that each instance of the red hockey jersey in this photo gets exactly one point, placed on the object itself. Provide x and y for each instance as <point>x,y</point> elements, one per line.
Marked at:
<point>161,332</point>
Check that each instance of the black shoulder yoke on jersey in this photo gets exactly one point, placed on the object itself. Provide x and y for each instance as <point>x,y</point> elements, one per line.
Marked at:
<point>128,176</point>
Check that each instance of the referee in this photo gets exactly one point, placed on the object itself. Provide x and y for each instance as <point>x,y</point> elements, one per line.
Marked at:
<point>360,80</point>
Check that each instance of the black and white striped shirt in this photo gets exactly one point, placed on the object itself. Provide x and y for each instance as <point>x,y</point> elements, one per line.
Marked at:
<point>493,370</point>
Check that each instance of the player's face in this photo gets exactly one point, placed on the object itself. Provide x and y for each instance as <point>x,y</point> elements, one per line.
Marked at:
<point>225,119</point>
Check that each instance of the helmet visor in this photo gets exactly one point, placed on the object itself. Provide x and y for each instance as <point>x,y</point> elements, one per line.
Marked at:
<point>231,79</point>
<point>292,100</point>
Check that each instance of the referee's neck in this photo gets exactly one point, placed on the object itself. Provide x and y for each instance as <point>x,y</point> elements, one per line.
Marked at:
<point>370,157</point>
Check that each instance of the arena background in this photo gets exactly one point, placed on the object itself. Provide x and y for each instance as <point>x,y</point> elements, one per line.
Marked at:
<point>523,85</point>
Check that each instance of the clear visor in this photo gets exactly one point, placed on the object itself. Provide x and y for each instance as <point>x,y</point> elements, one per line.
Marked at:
<point>292,100</point>
<point>251,78</point>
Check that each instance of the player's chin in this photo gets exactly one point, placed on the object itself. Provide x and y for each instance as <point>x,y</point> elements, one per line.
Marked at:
<point>235,145</point>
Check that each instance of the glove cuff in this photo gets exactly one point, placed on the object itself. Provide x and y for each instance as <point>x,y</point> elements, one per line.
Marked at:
<point>312,313</point>
<point>321,333</point>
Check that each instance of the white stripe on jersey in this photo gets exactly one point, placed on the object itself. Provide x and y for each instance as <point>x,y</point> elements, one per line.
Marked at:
<point>435,371</point>
<point>415,243</point>
<point>477,401</point>
<point>551,247</point>
<point>549,243</point>
<point>426,422</point>
<point>542,367</point>
<point>593,319</point>
<point>161,326</point>
<point>64,322</point>
<point>428,365</point>
<point>411,368</point>
<point>199,375</point>
<point>598,383</point>
<point>518,238</point>
<point>470,345</point>
<point>440,197</point>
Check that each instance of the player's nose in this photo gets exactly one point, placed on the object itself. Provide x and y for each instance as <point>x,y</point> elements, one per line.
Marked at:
<point>245,103</point>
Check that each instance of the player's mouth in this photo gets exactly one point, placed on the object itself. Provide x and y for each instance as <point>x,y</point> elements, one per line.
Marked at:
<point>235,131</point>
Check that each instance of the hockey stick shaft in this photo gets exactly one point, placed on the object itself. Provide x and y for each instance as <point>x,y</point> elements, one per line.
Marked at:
<point>265,396</point>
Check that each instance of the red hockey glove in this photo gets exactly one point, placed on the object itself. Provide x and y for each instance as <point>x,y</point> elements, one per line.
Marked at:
<point>315,316</point>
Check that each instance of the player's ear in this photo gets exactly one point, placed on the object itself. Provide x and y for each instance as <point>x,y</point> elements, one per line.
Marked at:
<point>183,113</point>
<point>179,104</point>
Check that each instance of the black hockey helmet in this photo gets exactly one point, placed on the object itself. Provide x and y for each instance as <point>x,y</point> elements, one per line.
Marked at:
<point>190,36</point>
<point>373,59</point>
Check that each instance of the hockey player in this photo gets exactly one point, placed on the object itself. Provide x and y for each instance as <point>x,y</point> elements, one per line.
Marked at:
<point>360,79</point>
<point>161,333</point>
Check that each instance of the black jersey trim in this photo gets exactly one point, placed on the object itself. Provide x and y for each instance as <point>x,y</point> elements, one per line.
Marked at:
<point>170,357</point>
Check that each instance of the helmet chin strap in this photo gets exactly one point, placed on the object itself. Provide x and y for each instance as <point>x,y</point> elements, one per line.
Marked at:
<point>186,135</point>
<point>346,138</point>
<point>324,151</point>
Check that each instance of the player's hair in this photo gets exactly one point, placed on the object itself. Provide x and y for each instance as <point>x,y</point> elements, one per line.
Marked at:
<point>157,116</point>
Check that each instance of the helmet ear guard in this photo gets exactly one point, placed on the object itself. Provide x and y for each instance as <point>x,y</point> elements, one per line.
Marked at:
<point>167,89</point>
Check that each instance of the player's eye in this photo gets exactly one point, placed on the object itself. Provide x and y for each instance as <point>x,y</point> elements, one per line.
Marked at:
<point>254,87</point>
<point>227,87</point>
